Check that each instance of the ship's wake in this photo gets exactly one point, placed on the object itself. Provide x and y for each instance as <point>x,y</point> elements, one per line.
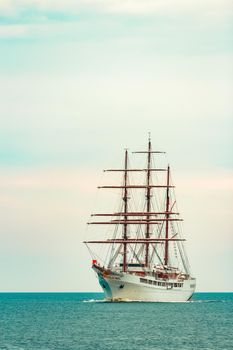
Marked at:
<point>147,301</point>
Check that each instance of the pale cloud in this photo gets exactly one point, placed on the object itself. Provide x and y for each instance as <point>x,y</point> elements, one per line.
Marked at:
<point>36,30</point>
<point>14,31</point>
<point>86,180</point>
<point>212,9</point>
<point>42,18</point>
<point>209,182</point>
<point>168,7</point>
<point>188,99</point>
<point>47,179</point>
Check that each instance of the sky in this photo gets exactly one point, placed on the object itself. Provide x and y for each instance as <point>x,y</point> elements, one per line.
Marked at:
<point>79,82</point>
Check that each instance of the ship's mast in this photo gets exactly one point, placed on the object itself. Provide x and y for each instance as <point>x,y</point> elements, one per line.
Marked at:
<point>125,199</point>
<point>166,253</point>
<point>148,200</point>
<point>147,217</point>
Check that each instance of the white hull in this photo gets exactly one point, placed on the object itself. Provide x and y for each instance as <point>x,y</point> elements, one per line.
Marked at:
<point>128,287</point>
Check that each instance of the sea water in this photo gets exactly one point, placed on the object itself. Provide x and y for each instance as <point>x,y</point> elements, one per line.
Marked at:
<point>82,321</point>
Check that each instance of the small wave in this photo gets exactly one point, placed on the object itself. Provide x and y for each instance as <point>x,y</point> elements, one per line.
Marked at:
<point>12,347</point>
<point>207,301</point>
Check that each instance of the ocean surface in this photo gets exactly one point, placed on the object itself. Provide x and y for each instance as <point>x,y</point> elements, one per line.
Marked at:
<point>73,321</point>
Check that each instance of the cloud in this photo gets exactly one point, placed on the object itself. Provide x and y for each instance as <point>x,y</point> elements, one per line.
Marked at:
<point>47,100</point>
<point>42,18</point>
<point>210,8</point>
<point>169,7</point>
<point>75,178</point>
<point>14,31</point>
<point>37,30</point>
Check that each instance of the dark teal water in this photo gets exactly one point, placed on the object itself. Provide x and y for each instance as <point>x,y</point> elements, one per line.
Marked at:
<point>73,321</point>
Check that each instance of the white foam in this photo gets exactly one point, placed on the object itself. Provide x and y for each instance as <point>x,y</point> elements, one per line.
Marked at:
<point>148,301</point>
<point>95,301</point>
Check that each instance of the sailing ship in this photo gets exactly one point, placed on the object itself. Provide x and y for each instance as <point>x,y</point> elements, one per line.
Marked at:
<point>145,258</point>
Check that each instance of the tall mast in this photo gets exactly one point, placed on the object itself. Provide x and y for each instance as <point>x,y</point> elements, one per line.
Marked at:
<point>147,217</point>
<point>125,199</point>
<point>167,217</point>
<point>148,201</point>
